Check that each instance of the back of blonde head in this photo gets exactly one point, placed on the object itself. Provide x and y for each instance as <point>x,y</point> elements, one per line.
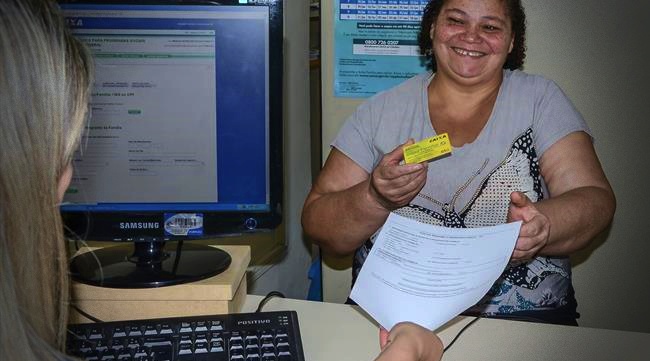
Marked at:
<point>44,81</point>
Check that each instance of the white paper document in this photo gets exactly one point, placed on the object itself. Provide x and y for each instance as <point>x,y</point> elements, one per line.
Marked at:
<point>428,274</point>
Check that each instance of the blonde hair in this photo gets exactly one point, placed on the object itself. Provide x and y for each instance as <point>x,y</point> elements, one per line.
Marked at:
<point>44,87</point>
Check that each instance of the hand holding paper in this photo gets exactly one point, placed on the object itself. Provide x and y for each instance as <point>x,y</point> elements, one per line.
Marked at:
<point>535,229</point>
<point>427,274</point>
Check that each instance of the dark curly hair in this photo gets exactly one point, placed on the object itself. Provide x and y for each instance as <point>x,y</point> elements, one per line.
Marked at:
<point>515,12</point>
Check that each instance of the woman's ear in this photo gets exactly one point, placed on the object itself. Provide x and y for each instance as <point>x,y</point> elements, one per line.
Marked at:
<point>64,182</point>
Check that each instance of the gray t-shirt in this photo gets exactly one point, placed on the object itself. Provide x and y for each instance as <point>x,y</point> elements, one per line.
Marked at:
<point>471,188</point>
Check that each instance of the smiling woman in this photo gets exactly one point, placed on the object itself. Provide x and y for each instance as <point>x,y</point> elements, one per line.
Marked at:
<point>521,152</point>
<point>515,21</point>
<point>472,43</point>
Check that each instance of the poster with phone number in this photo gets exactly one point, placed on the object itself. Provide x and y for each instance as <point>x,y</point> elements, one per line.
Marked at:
<point>375,45</point>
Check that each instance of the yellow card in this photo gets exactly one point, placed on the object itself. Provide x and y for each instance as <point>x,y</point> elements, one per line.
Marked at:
<point>427,149</point>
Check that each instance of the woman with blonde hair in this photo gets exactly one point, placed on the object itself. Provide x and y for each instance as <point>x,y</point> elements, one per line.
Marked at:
<point>45,75</point>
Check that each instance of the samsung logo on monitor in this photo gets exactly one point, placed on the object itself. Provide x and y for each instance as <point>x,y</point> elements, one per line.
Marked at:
<point>139,225</point>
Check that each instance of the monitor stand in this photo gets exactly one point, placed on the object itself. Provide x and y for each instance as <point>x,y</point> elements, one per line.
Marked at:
<point>148,264</point>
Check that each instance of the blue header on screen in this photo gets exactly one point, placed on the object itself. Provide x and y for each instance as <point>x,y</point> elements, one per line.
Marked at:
<point>241,101</point>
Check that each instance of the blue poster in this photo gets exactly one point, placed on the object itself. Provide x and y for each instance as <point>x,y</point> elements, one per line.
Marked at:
<point>375,45</point>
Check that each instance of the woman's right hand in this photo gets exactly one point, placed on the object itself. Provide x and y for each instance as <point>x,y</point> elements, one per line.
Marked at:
<point>409,342</point>
<point>393,185</point>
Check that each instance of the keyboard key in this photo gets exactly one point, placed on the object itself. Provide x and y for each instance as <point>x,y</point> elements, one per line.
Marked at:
<point>252,349</point>
<point>166,329</point>
<point>186,339</point>
<point>124,355</point>
<point>116,344</point>
<point>201,337</point>
<point>185,349</point>
<point>216,346</point>
<point>84,346</point>
<point>95,333</point>
<point>281,339</point>
<point>150,330</point>
<point>215,336</point>
<point>119,332</point>
<point>151,341</point>
<point>186,327</point>
<point>201,347</point>
<point>216,326</point>
<point>236,342</point>
<point>133,342</point>
<point>108,357</point>
<point>162,356</point>
<point>201,326</point>
<point>236,349</point>
<point>140,352</point>
<point>134,331</point>
<point>161,352</point>
<point>267,336</point>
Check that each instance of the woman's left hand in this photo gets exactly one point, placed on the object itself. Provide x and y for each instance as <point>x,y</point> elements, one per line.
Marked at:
<point>535,229</point>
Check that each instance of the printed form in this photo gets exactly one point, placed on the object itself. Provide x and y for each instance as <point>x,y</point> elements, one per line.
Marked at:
<point>428,274</point>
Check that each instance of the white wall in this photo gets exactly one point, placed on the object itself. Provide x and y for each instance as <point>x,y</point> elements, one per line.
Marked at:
<point>598,53</point>
<point>289,275</point>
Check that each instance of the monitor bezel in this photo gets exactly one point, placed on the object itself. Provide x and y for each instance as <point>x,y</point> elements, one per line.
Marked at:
<point>149,225</point>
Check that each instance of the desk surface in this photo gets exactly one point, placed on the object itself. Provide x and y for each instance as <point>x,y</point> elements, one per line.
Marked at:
<point>344,333</point>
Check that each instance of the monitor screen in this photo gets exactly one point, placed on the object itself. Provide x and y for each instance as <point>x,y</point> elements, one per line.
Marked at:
<point>184,136</point>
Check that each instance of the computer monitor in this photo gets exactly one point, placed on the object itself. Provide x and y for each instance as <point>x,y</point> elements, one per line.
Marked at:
<point>184,139</point>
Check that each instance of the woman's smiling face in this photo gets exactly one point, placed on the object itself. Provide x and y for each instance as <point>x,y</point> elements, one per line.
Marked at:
<point>472,39</point>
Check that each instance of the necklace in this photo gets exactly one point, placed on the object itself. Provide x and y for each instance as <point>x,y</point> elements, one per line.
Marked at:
<point>451,205</point>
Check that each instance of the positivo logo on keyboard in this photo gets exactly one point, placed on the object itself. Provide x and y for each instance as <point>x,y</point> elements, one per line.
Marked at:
<point>253,322</point>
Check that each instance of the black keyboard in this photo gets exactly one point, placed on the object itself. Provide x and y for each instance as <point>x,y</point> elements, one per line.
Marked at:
<point>262,336</point>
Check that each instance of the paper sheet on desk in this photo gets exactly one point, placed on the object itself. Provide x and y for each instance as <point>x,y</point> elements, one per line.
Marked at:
<point>428,274</point>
